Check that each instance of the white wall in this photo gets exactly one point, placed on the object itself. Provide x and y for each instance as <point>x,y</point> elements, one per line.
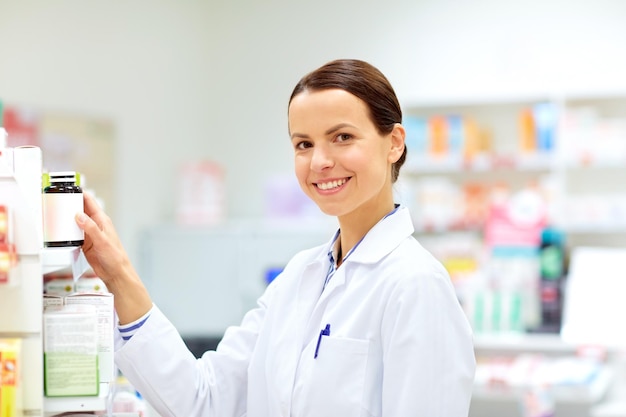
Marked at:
<point>145,65</point>
<point>189,79</point>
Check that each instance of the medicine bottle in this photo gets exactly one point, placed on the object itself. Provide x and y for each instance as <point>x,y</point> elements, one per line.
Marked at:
<point>62,200</point>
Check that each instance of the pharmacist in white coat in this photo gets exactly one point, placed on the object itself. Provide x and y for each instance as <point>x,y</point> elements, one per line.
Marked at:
<point>366,324</point>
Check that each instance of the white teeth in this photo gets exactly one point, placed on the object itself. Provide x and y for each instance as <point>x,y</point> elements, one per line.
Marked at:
<point>331,184</point>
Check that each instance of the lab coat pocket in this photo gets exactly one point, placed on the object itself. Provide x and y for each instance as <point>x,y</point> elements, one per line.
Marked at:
<point>337,378</point>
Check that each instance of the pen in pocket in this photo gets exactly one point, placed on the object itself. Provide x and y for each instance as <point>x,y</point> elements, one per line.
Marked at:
<point>323,332</point>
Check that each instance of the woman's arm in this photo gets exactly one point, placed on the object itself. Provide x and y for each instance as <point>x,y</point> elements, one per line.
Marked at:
<point>106,255</point>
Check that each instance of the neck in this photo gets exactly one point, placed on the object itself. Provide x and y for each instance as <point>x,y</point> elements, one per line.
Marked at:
<point>339,254</point>
<point>356,225</point>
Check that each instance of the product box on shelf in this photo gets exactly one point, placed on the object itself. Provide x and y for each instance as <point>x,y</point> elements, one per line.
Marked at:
<point>8,257</point>
<point>4,224</point>
<point>9,376</point>
<point>103,304</point>
<point>52,300</point>
<point>106,322</point>
<point>60,284</point>
<point>8,260</point>
<point>90,283</point>
<point>71,351</point>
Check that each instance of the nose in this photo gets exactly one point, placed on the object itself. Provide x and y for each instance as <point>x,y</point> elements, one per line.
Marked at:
<point>321,159</point>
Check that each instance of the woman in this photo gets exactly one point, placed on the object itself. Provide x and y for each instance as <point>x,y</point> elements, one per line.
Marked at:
<point>366,324</point>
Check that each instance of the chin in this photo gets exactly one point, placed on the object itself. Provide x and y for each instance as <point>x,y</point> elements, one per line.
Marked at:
<point>332,211</point>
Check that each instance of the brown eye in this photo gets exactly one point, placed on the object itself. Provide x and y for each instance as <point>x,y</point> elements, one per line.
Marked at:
<point>342,137</point>
<point>303,145</point>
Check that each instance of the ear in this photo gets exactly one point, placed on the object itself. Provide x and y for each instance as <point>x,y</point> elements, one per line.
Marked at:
<point>397,143</point>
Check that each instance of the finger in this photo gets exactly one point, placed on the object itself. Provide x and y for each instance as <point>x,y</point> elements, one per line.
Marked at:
<point>93,209</point>
<point>86,224</point>
<point>91,205</point>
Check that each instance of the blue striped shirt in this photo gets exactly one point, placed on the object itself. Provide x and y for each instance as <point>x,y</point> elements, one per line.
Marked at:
<point>128,330</point>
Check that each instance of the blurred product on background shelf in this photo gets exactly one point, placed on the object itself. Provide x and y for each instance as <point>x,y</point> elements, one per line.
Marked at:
<point>458,141</point>
<point>201,198</point>
<point>10,381</point>
<point>588,137</point>
<point>8,255</point>
<point>545,117</point>
<point>125,400</point>
<point>497,276</point>
<point>552,262</point>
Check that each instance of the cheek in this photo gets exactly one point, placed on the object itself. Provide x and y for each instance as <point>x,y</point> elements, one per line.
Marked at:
<point>301,168</point>
<point>364,160</point>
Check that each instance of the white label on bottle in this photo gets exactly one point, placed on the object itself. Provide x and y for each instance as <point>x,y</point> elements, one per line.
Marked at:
<point>59,211</point>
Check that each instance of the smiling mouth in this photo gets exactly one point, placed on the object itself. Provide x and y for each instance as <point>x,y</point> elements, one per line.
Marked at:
<point>331,184</point>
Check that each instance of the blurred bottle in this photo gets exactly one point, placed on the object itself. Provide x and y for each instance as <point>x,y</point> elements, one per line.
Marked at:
<point>527,131</point>
<point>126,399</point>
<point>545,118</point>
<point>438,136</point>
<point>537,402</point>
<point>552,263</point>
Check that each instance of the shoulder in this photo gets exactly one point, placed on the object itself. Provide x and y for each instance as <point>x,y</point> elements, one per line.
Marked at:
<point>410,261</point>
<point>417,287</point>
<point>411,275</point>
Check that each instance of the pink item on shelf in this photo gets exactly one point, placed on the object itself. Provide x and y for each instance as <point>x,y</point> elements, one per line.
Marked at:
<point>22,126</point>
<point>516,220</point>
<point>201,196</point>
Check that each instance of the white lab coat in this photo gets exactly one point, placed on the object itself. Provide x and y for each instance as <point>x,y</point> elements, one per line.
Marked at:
<point>399,344</point>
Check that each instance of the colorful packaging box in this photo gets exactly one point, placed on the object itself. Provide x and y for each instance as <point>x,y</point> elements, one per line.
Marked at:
<point>103,303</point>
<point>71,351</point>
<point>9,376</point>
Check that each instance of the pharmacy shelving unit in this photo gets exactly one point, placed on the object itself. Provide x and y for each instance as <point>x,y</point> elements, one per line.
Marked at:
<point>21,302</point>
<point>585,164</point>
<point>21,299</point>
<point>586,390</point>
<point>586,169</point>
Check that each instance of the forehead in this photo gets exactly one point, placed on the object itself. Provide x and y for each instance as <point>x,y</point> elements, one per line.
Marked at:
<point>326,104</point>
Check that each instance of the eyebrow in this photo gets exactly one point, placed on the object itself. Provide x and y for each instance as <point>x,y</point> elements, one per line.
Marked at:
<point>327,132</point>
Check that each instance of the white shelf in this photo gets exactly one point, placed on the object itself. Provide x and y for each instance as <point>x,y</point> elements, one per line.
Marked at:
<point>455,164</point>
<point>581,394</point>
<point>55,405</point>
<point>525,342</point>
<point>71,259</point>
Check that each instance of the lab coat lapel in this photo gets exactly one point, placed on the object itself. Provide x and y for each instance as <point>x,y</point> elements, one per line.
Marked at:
<point>307,297</point>
<point>335,283</point>
<point>333,288</point>
<point>312,300</point>
<point>296,316</point>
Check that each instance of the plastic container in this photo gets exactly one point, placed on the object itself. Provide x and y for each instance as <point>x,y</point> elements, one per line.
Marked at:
<point>62,200</point>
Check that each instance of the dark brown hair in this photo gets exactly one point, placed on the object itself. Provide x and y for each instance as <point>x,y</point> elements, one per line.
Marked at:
<point>366,82</point>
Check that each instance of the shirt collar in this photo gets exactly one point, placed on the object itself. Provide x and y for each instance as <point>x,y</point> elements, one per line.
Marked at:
<point>333,248</point>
